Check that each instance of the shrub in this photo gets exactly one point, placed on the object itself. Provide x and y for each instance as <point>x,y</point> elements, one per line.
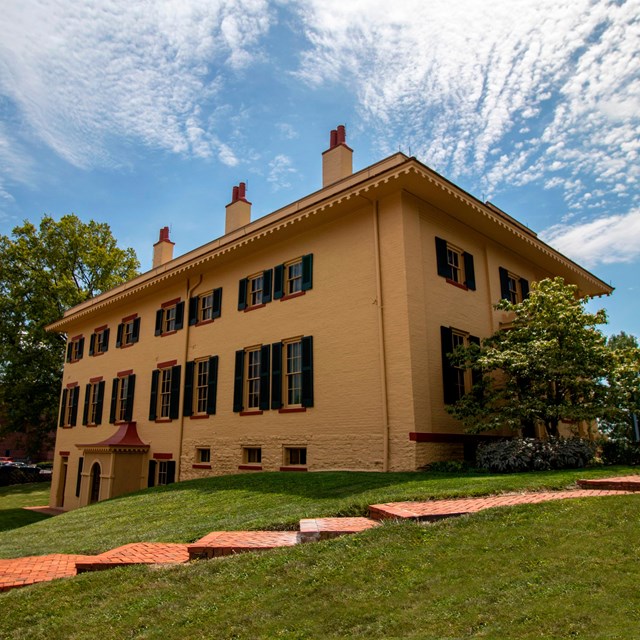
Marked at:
<point>448,466</point>
<point>619,451</point>
<point>529,454</point>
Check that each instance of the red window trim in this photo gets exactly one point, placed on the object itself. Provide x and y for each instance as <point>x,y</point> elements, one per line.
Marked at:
<point>162,456</point>
<point>252,413</point>
<point>129,318</point>
<point>170,303</point>
<point>163,420</point>
<point>64,453</point>
<point>250,467</point>
<point>72,385</point>
<point>126,346</point>
<point>98,379</point>
<point>293,469</point>
<point>297,294</point>
<point>100,329</point>
<point>457,284</point>
<point>201,466</point>
<point>78,337</point>
<point>199,416</point>
<point>201,323</point>
<point>292,410</point>
<point>167,364</point>
<point>255,306</point>
<point>124,374</point>
<point>168,333</point>
<point>101,353</point>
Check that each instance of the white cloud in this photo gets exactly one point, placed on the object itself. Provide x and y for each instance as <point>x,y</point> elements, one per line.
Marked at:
<point>84,74</point>
<point>606,240</point>
<point>281,170</point>
<point>555,86</point>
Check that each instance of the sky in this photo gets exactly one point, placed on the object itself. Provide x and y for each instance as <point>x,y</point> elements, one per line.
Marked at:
<point>145,114</point>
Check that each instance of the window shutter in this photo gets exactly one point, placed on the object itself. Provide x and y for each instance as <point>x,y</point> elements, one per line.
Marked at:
<point>193,310</point>
<point>278,282</point>
<point>212,386</point>
<point>174,405</point>
<point>444,269</point>
<point>114,399</point>
<point>92,344</point>
<point>153,401</point>
<point>69,351</point>
<point>119,335</point>
<point>476,374</point>
<point>524,288</point>
<point>65,393</point>
<point>80,348</point>
<point>242,294</point>
<point>135,335</point>
<point>85,409</point>
<point>307,271</point>
<point>238,382</point>
<point>79,476</point>
<point>105,340</point>
<point>159,318</point>
<point>504,283</point>
<point>128,412</point>
<point>171,471</point>
<point>179,315</point>
<point>276,375</point>
<point>307,371</point>
<point>187,403</point>
<point>74,406</point>
<point>469,272</point>
<point>100,402</point>
<point>217,303</point>
<point>151,478</point>
<point>265,366</point>
<point>267,285</point>
<point>448,372</point>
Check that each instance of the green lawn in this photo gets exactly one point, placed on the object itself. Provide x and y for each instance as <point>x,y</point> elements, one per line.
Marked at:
<point>557,570</point>
<point>13,498</point>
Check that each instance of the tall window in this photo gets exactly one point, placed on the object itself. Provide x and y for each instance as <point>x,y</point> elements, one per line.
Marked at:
<point>201,386</point>
<point>455,265</point>
<point>252,399</point>
<point>75,349</point>
<point>456,380</point>
<point>170,317</point>
<point>164,393</point>
<point>206,307</point>
<point>93,403</point>
<point>512,287</point>
<point>454,260</point>
<point>293,373</point>
<point>294,277</point>
<point>461,375</point>
<point>69,406</point>
<point>128,331</point>
<point>255,290</point>
<point>122,398</point>
<point>99,341</point>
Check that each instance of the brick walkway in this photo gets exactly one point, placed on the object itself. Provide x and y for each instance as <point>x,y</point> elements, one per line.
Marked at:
<point>20,572</point>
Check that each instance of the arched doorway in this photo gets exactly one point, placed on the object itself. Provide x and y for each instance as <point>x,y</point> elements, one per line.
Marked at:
<point>94,494</point>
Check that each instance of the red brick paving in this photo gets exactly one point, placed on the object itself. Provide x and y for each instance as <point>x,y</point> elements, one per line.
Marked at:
<point>226,543</point>
<point>19,572</point>
<point>312,530</point>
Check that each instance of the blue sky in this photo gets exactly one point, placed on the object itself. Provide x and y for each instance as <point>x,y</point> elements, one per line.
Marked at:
<point>145,114</point>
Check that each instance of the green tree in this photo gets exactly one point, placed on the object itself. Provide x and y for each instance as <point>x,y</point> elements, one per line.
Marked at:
<point>44,271</point>
<point>551,364</point>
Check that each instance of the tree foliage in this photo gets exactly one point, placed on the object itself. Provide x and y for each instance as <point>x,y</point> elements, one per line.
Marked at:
<point>44,271</point>
<point>552,364</point>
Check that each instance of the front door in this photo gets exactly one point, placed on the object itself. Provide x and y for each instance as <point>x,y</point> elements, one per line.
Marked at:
<point>62,482</point>
<point>94,494</point>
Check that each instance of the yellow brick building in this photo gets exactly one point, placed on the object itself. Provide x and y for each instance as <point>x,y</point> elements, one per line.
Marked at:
<point>309,339</point>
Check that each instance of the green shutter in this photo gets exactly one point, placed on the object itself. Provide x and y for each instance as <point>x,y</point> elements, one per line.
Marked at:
<point>276,375</point>
<point>105,340</point>
<point>85,409</point>
<point>135,336</point>
<point>114,399</point>
<point>242,294</point>
<point>238,382</point>
<point>448,372</point>
<point>307,371</point>
<point>159,318</point>
<point>100,402</point>
<point>69,351</point>
<point>278,282</point>
<point>179,315</point>
<point>265,376</point>
<point>174,405</point>
<point>92,344</point>
<point>171,471</point>
<point>524,288</point>
<point>79,476</point>
<point>504,283</point>
<point>153,401</point>
<point>212,386</point>
<point>80,348</point>
<point>65,393</point>
<point>151,477</point>
<point>217,303</point>
<point>128,411</point>
<point>74,406</point>
<point>193,310</point>
<point>444,268</point>
<point>119,335</point>
<point>307,272</point>
<point>267,285</point>
<point>187,403</point>
<point>469,272</point>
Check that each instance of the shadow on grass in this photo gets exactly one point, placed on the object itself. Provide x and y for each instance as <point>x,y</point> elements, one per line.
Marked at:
<point>15,518</point>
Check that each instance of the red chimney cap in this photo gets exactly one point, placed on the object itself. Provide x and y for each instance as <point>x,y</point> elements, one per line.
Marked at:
<point>164,235</point>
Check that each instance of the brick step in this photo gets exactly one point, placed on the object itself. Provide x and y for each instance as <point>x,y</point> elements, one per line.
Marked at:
<point>135,553</point>
<point>314,529</point>
<point>622,483</point>
<point>226,543</point>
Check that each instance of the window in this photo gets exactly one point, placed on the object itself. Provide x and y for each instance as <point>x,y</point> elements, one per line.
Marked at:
<point>165,392</point>
<point>69,406</point>
<point>455,265</point>
<point>512,287</point>
<point>93,401</point>
<point>295,456</point>
<point>456,380</point>
<point>203,456</point>
<point>293,278</point>
<point>255,291</point>
<point>205,308</point>
<point>122,392</point>
<point>251,455</point>
<point>251,385</point>
<point>99,341</point>
<point>128,331</point>
<point>169,318</point>
<point>292,374</point>
<point>200,387</point>
<point>75,349</point>
<point>161,472</point>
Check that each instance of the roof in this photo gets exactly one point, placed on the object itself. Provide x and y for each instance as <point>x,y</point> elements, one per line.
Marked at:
<point>375,180</point>
<point>126,437</point>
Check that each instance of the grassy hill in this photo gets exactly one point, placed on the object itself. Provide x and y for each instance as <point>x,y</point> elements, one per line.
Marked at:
<point>557,570</point>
